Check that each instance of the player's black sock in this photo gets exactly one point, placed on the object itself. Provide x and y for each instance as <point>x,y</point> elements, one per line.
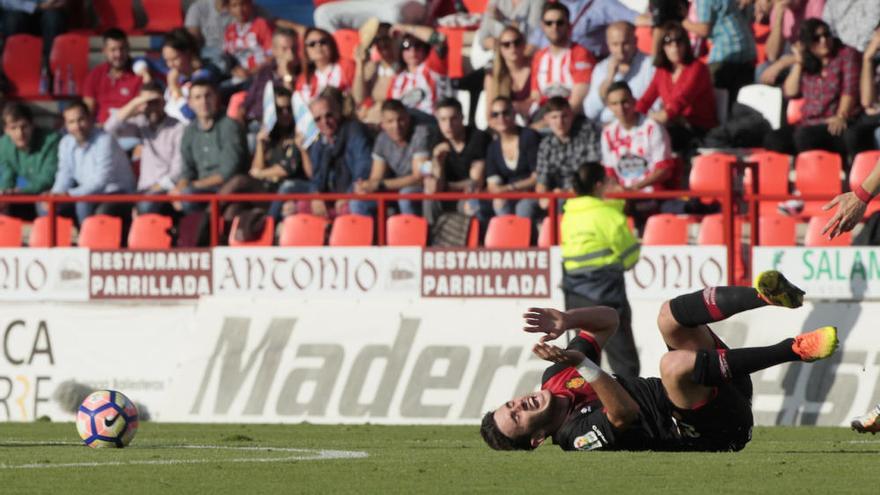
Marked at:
<point>713,304</point>
<point>714,367</point>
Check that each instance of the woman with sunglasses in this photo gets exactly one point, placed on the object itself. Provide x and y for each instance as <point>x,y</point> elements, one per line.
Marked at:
<point>685,89</point>
<point>511,72</point>
<point>322,66</point>
<point>372,78</point>
<point>420,83</point>
<point>511,160</point>
<point>826,75</point>
<point>524,15</point>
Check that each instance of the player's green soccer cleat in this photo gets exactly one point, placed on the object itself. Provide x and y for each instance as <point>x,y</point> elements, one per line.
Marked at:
<point>868,422</point>
<point>776,290</point>
<point>815,345</point>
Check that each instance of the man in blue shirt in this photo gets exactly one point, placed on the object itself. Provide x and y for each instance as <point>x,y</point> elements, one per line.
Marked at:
<point>90,162</point>
<point>589,18</point>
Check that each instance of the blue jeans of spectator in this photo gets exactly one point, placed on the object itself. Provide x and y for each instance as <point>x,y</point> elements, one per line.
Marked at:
<point>81,211</point>
<point>192,207</point>
<point>877,137</point>
<point>406,206</point>
<point>158,207</point>
<point>524,208</point>
<point>288,187</point>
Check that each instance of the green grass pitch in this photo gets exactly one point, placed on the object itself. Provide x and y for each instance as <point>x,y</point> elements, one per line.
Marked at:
<point>226,459</point>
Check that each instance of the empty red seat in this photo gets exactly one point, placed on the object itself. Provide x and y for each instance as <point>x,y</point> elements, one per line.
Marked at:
<point>508,231</point>
<point>407,230</point>
<point>40,232</point>
<point>665,229</point>
<point>115,14</point>
<point>10,231</point>
<point>814,237</point>
<point>773,171</point>
<point>162,15</point>
<point>266,237</point>
<point>303,230</point>
<point>476,6</point>
<point>150,231</point>
<point>707,173</point>
<point>544,237</point>
<point>817,172</point>
<point>101,232</point>
<point>711,231</point>
<point>22,56</point>
<point>777,230</point>
<point>352,230</point>
<point>70,58</point>
<point>645,39</point>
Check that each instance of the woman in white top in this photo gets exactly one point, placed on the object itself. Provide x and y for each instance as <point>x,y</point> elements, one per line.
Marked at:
<point>322,66</point>
<point>511,73</point>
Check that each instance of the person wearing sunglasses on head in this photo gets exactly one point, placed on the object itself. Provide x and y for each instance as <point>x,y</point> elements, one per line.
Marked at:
<point>564,67</point>
<point>510,76</point>
<point>421,82</point>
<point>322,66</point>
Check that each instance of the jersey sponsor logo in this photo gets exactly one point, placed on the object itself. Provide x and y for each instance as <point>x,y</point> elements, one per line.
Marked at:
<point>589,441</point>
<point>575,383</point>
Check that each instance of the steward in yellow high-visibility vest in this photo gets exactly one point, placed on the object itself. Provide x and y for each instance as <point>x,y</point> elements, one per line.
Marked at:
<point>597,247</point>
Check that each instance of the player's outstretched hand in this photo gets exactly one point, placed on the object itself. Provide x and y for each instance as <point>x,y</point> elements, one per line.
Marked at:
<point>554,354</point>
<point>545,320</point>
<point>850,210</point>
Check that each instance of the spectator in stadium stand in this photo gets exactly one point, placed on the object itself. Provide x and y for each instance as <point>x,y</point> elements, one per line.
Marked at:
<point>45,18</point>
<point>511,73</point>
<point>248,40</point>
<point>852,21</point>
<point>587,21</point>
<point>213,147</point>
<point>826,74</point>
<point>143,118</point>
<point>564,149</point>
<point>207,21</point>
<point>180,53</point>
<point>28,157</point>
<point>111,84</point>
<point>684,87</point>
<point>277,165</point>
<point>90,162</point>
<point>322,67</point>
<point>624,63</point>
<point>786,17</point>
<point>870,83</point>
<point>597,247</point>
<point>636,152</point>
<point>282,69</point>
<point>372,78</point>
<point>421,81</point>
<point>400,153</point>
<point>511,160</point>
<point>339,157</point>
<point>352,14</point>
<point>563,68</point>
<point>522,15</point>
<point>733,53</point>
<point>458,156</point>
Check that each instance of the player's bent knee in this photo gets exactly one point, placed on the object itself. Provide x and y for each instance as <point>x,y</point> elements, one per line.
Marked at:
<point>665,321</point>
<point>677,365</point>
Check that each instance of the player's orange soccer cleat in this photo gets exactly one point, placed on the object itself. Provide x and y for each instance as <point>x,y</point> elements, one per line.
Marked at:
<point>776,290</point>
<point>815,345</point>
<point>868,422</point>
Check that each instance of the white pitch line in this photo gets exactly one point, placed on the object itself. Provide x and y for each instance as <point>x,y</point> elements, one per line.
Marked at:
<point>305,455</point>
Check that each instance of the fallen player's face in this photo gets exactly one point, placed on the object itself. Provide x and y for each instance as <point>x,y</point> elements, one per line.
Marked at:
<point>524,415</point>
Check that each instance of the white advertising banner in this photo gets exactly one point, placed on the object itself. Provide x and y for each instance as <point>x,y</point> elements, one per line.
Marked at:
<point>664,272</point>
<point>326,271</point>
<point>849,273</point>
<point>44,274</point>
<point>443,361</point>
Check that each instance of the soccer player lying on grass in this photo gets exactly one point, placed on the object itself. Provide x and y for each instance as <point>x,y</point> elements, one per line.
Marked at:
<point>702,402</point>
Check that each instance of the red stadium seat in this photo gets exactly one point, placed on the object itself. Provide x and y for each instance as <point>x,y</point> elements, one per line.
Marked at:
<point>40,232</point>
<point>303,230</point>
<point>115,14</point>
<point>407,230</point>
<point>266,237</point>
<point>10,231</point>
<point>544,238</point>
<point>817,172</point>
<point>162,15</point>
<point>21,64</point>
<point>665,229</point>
<point>71,51</point>
<point>352,230</point>
<point>101,232</point>
<point>777,230</point>
<point>347,40</point>
<point>150,231</point>
<point>508,231</point>
<point>645,39</point>
<point>711,231</point>
<point>476,6</point>
<point>862,165</point>
<point>707,172</point>
<point>473,239</point>
<point>773,170</point>
<point>814,237</point>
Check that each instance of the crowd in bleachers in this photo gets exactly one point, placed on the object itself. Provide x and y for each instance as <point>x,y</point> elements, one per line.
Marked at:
<point>428,96</point>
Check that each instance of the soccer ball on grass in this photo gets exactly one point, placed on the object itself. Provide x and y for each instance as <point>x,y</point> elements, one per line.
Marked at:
<point>107,419</point>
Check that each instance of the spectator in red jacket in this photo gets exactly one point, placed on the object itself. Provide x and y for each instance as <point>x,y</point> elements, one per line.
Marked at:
<point>685,88</point>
